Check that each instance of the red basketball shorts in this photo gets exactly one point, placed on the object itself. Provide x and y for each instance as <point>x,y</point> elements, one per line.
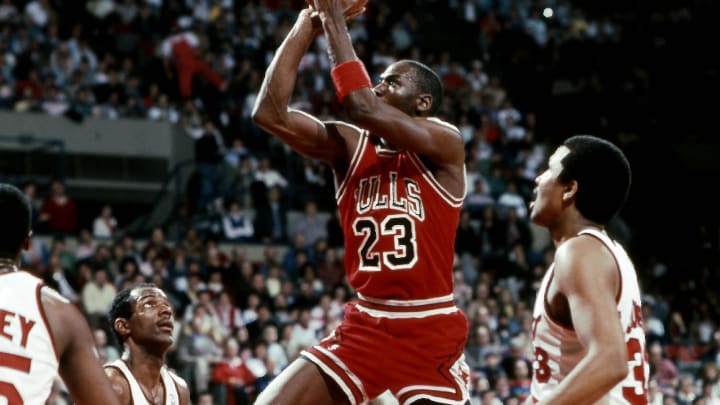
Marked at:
<point>415,358</point>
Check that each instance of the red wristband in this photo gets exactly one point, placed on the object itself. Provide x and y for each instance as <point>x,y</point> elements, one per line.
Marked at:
<point>348,77</point>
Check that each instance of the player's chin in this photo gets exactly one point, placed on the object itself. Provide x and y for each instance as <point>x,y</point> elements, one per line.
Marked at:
<point>165,338</point>
<point>165,331</point>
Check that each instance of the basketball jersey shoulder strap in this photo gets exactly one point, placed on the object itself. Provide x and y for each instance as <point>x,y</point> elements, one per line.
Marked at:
<point>136,394</point>
<point>171,383</point>
<point>596,233</point>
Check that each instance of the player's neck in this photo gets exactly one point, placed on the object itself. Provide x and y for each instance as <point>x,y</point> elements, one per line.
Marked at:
<point>8,264</point>
<point>144,365</point>
<point>563,233</point>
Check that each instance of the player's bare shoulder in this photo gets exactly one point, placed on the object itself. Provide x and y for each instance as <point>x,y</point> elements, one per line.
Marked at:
<point>119,384</point>
<point>343,129</point>
<point>443,124</point>
<point>446,149</point>
<point>445,134</point>
<point>584,253</point>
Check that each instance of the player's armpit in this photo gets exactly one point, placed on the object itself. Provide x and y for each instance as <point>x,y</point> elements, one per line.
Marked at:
<point>325,141</point>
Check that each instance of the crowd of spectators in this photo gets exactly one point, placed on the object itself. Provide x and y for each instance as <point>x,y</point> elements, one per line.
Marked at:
<point>199,64</point>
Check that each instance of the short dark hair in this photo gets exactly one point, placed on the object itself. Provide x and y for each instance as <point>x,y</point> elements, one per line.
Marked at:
<point>602,173</point>
<point>17,219</point>
<point>121,307</point>
<point>427,82</point>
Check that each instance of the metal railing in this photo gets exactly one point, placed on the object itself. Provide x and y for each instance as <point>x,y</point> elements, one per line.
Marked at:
<point>30,147</point>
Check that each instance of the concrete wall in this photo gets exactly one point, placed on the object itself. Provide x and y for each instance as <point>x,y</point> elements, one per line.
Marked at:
<point>126,159</point>
<point>94,136</point>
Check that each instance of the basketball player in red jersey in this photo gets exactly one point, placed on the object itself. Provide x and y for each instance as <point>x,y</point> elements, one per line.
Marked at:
<point>588,336</point>
<point>400,183</point>
<point>143,320</point>
<point>41,333</point>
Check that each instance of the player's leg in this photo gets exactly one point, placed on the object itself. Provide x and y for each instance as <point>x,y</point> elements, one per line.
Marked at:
<point>302,383</point>
<point>441,377</point>
<point>207,72</point>
<point>185,70</point>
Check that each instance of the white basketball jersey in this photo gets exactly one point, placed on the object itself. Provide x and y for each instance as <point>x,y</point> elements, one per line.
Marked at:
<point>558,350</point>
<point>138,397</point>
<point>28,362</point>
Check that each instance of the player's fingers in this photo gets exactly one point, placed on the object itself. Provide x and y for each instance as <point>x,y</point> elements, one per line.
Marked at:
<point>354,14</point>
<point>322,5</point>
<point>356,9</point>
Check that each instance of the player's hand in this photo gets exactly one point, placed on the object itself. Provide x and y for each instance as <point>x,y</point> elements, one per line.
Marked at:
<point>350,8</point>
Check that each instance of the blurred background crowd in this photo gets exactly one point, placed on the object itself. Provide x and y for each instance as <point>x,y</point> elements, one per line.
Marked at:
<point>519,75</point>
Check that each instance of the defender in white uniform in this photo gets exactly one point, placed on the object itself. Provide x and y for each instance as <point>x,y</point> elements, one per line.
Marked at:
<point>28,364</point>
<point>138,396</point>
<point>143,321</point>
<point>558,349</point>
<point>587,330</point>
<point>41,334</point>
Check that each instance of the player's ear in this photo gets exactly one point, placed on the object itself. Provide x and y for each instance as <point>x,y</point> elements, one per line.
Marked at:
<point>424,102</point>
<point>569,190</point>
<point>27,241</point>
<point>122,326</point>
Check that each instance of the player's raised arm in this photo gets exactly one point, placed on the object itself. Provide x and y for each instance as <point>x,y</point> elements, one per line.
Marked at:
<point>411,91</point>
<point>300,131</point>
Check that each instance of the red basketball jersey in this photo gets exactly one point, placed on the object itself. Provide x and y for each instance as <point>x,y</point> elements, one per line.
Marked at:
<point>399,225</point>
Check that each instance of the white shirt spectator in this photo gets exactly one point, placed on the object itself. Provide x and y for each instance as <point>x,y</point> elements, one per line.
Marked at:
<point>537,28</point>
<point>257,366</point>
<point>97,295</point>
<point>127,10</point>
<point>237,224</point>
<point>511,198</point>
<point>477,78</point>
<point>7,10</point>
<point>302,335</point>
<point>508,114</point>
<point>514,132</point>
<point>101,8</point>
<point>104,225</point>
<point>38,12</point>
<point>270,176</point>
